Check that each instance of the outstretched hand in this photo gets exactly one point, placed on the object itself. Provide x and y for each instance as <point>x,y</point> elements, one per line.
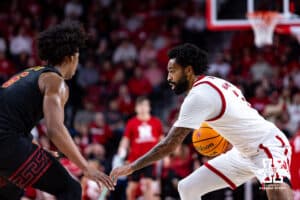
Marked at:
<point>98,177</point>
<point>124,170</point>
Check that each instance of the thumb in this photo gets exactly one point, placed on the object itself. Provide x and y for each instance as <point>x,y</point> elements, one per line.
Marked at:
<point>114,177</point>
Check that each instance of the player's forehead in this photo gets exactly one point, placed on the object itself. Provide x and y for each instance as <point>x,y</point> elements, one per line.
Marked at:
<point>172,64</point>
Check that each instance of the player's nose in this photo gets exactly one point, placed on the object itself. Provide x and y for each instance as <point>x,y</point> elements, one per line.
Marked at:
<point>169,78</point>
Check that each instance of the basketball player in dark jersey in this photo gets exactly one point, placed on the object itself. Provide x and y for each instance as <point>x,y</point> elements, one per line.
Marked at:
<point>24,100</point>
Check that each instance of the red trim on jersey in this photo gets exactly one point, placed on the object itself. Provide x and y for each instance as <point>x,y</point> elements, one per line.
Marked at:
<point>280,140</point>
<point>198,79</point>
<point>221,175</point>
<point>286,152</point>
<point>222,99</point>
<point>266,150</point>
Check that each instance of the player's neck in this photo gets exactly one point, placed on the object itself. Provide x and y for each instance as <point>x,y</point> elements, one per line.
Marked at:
<point>62,70</point>
<point>192,80</point>
<point>144,117</point>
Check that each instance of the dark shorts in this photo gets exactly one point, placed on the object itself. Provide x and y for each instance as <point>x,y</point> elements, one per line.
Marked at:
<point>24,164</point>
<point>147,172</point>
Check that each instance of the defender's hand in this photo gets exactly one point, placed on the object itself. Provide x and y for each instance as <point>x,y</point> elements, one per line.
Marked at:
<point>124,170</point>
<point>98,177</point>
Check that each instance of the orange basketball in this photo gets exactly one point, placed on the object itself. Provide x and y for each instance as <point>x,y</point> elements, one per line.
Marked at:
<point>209,142</point>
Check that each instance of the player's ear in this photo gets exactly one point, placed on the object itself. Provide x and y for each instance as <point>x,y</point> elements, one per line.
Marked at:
<point>189,69</point>
<point>73,57</point>
<point>67,59</point>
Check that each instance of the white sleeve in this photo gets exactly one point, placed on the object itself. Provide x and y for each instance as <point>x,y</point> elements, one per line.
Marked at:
<point>202,103</point>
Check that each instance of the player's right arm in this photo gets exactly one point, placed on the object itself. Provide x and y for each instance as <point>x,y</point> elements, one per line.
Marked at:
<point>55,94</point>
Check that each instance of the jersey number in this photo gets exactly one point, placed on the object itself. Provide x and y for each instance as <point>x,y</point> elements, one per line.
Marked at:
<point>17,77</point>
<point>226,86</point>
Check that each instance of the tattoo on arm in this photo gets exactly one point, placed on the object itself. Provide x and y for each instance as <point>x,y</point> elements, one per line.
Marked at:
<point>166,146</point>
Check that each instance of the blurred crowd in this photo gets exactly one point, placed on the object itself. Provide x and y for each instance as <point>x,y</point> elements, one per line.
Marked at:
<point>126,57</point>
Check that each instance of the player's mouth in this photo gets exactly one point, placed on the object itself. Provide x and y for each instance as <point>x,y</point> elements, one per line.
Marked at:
<point>172,85</point>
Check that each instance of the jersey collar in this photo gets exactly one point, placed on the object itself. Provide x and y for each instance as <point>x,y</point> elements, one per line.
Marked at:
<point>198,79</point>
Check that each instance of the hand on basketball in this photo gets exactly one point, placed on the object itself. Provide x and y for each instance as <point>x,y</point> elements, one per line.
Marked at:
<point>99,177</point>
<point>124,170</point>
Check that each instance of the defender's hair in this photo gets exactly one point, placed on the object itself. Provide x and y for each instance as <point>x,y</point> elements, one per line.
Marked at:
<point>189,54</point>
<point>59,41</point>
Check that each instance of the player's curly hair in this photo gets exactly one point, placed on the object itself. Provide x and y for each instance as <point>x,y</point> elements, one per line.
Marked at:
<point>59,41</point>
<point>189,54</point>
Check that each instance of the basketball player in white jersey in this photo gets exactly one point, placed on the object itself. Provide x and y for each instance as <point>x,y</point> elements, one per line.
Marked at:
<point>260,150</point>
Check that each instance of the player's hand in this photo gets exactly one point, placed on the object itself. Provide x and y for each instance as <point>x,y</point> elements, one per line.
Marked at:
<point>53,153</point>
<point>98,177</point>
<point>124,170</point>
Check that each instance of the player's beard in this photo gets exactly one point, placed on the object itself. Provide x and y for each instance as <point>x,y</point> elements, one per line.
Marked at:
<point>181,86</point>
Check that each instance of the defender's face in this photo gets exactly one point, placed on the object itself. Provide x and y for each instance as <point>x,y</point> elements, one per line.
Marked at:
<point>73,65</point>
<point>177,77</point>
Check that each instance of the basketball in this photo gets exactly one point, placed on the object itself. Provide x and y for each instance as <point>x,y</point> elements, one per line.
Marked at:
<point>208,142</point>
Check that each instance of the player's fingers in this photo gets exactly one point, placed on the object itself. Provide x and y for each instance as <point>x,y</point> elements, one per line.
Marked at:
<point>99,184</point>
<point>114,180</point>
<point>114,176</point>
<point>107,181</point>
<point>53,153</point>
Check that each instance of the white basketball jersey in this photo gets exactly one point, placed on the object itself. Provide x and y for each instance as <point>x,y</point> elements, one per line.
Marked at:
<point>224,108</point>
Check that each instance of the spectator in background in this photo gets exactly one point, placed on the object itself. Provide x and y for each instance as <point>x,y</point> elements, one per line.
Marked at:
<point>82,138</point>
<point>2,45</point>
<point>107,72</point>
<point>133,22</point>
<point>114,117</point>
<point>87,74</point>
<point>99,130</point>
<point>296,76</point>
<point>138,85</point>
<point>260,69</point>
<point>6,67</point>
<point>295,165</point>
<point>21,43</point>
<point>125,101</point>
<point>147,52</point>
<point>154,74</point>
<point>220,67</point>
<point>276,108</point>
<point>98,152</point>
<point>102,52</point>
<point>294,113</point>
<point>260,99</point>
<point>175,167</point>
<point>73,9</point>
<point>125,51</point>
<point>142,132</point>
<point>195,22</point>
<point>117,80</point>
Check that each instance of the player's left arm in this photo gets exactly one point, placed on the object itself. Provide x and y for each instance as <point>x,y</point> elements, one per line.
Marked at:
<point>166,146</point>
<point>197,106</point>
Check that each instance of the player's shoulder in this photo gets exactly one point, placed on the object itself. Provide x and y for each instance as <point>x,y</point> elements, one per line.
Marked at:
<point>51,77</point>
<point>51,80</point>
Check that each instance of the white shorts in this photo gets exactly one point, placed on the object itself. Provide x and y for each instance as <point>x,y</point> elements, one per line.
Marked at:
<point>269,165</point>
